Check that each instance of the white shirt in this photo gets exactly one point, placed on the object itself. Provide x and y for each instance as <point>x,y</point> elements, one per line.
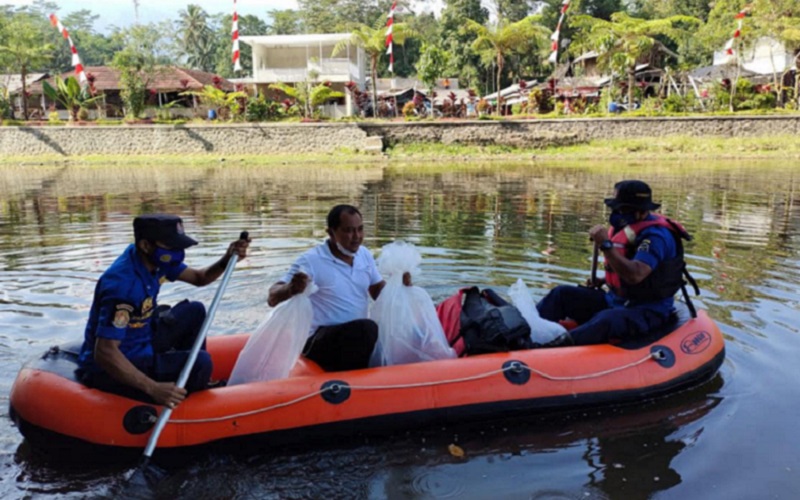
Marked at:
<point>343,294</point>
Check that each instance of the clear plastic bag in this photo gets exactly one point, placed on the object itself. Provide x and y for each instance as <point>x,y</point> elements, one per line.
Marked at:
<point>409,330</point>
<point>275,347</point>
<point>542,330</point>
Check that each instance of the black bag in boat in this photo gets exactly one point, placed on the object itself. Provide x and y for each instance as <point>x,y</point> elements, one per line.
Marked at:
<point>490,324</point>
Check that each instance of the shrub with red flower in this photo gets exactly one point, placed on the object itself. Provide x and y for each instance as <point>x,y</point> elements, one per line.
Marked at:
<point>217,81</point>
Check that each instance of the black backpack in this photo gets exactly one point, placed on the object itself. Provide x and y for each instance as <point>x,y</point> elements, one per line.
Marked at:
<point>490,324</point>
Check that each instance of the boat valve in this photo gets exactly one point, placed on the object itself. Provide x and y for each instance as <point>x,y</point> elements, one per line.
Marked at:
<point>516,372</point>
<point>663,355</point>
<point>335,391</point>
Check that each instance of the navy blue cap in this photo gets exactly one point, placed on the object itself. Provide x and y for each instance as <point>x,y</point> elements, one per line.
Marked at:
<point>633,194</point>
<point>164,228</point>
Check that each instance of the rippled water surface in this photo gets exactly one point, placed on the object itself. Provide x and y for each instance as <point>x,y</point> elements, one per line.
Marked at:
<point>734,437</point>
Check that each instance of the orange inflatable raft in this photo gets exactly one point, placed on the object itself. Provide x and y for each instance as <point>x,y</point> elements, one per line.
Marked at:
<point>49,406</point>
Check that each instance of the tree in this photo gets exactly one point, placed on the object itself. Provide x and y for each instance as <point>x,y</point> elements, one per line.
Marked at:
<point>336,16</point>
<point>512,10</point>
<point>195,37</point>
<point>285,22</point>
<point>498,41</point>
<point>463,62</point>
<point>373,41</point>
<point>223,59</point>
<point>70,94</point>
<point>432,64</point>
<point>624,40</point>
<point>138,64</point>
<point>22,45</point>
<point>655,9</point>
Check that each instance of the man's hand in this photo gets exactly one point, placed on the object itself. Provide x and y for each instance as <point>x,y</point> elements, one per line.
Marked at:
<point>407,279</point>
<point>238,247</point>
<point>598,234</point>
<point>166,394</point>
<point>298,284</point>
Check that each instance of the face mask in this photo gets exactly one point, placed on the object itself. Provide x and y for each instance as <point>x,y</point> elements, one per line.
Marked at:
<point>345,251</point>
<point>165,259</point>
<point>619,221</point>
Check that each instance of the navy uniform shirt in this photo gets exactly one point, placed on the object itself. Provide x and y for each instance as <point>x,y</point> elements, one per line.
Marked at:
<point>655,245</point>
<point>122,309</point>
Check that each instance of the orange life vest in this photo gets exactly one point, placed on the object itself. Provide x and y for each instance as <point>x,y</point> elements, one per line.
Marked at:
<point>666,279</point>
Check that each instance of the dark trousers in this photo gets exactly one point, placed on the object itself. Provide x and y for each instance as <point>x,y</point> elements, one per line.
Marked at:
<point>599,323</point>
<point>174,332</point>
<point>342,347</point>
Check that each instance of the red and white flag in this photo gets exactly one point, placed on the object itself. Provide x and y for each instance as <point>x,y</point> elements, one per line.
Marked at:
<point>390,37</point>
<point>738,33</point>
<point>557,33</point>
<point>76,59</point>
<point>237,65</point>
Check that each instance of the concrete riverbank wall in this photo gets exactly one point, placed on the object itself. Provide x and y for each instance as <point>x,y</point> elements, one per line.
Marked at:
<point>298,138</point>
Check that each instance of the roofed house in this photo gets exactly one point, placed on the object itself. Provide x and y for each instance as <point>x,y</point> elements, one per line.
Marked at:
<point>583,77</point>
<point>308,59</point>
<point>11,87</point>
<point>167,84</point>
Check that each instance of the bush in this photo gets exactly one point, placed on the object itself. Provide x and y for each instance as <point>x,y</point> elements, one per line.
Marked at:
<point>409,109</point>
<point>5,107</point>
<point>83,114</point>
<point>261,109</point>
<point>53,118</point>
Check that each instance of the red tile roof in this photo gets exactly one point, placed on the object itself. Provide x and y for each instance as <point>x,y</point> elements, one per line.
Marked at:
<point>166,79</point>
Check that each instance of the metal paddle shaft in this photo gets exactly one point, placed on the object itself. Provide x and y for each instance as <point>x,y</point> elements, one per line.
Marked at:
<point>595,258</point>
<point>198,343</point>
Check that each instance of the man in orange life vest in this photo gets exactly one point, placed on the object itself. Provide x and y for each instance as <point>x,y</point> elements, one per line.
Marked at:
<point>644,264</point>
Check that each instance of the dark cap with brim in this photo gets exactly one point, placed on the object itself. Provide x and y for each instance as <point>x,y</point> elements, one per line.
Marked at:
<point>163,228</point>
<point>632,194</point>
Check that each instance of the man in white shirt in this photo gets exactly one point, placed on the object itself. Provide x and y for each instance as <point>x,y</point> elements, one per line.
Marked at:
<point>341,336</point>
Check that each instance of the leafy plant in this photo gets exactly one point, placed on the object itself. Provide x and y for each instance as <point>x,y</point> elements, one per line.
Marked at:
<point>218,99</point>
<point>261,109</point>
<point>70,94</point>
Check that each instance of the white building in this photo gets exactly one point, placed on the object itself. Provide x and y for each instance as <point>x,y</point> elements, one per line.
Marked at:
<point>295,59</point>
<point>767,56</point>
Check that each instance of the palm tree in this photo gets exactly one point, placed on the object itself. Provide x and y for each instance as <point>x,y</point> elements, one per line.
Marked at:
<point>24,48</point>
<point>498,41</point>
<point>624,40</point>
<point>195,37</point>
<point>373,41</point>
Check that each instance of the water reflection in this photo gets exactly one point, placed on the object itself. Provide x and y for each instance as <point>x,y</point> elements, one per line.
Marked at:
<point>60,227</point>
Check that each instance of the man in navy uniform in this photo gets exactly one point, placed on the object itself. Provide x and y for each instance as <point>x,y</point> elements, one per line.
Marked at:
<point>644,267</point>
<point>132,346</point>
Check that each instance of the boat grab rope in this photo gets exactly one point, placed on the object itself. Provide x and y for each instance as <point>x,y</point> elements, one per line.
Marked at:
<point>515,366</point>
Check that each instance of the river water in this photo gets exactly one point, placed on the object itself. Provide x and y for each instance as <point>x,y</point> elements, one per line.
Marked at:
<point>734,437</point>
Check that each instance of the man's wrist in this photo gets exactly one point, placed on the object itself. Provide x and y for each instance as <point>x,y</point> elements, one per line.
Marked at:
<point>606,245</point>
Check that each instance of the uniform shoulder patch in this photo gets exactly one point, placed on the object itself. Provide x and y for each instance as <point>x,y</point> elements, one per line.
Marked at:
<point>644,246</point>
<point>122,315</point>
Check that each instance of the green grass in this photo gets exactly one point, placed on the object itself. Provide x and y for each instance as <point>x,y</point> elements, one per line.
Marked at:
<point>664,148</point>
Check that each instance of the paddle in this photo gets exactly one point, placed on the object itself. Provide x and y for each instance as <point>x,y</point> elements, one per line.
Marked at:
<point>184,375</point>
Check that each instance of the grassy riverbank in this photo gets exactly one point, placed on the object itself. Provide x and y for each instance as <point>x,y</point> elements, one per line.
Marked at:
<point>675,148</point>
